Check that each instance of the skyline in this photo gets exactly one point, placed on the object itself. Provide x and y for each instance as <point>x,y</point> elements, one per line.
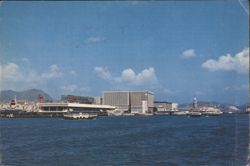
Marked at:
<point>177,50</point>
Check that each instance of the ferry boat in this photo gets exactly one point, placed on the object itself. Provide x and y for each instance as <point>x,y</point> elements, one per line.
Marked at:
<point>79,116</point>
<point>210,111</point>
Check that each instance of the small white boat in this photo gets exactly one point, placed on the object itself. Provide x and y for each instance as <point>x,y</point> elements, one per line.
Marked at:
<point>180,113</point>
<point>79,116</point>
<point>127,114</point>
<point>143,114</point>
<point>115,112</point>
<point>161,113</point>
<point>212,113</point>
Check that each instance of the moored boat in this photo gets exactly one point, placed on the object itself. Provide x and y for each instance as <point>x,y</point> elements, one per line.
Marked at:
<point>143,114</point>
<point>195,114</point>
<point>161,113</point>
<point>212,113</point>
<point>180,113</point>
<point>127,114</point>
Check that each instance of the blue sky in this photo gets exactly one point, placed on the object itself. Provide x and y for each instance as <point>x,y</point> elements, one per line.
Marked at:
<point>177,50</point>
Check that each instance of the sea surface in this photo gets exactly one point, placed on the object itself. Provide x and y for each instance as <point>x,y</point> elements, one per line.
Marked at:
<point>132,140</point>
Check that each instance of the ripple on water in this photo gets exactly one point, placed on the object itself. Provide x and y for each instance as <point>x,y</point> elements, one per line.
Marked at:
<point>158,140</point>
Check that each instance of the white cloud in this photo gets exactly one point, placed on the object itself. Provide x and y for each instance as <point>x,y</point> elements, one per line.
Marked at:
<point>54,71</point>
<point>238,63</point>
<point>92,40</point>
<point>188,53</point>
<point>145,76</point>
<point>103,73</point>
<point>128,76</point>
<point>16,77</point>
<point>10,72</point>
<point>72,88</point>
<point>33,76</point>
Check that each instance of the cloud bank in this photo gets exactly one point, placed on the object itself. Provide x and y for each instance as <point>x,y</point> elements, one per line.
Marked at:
<point>54,71</point>
<point>11,73</point>
<point>238,63</point>
<point>128,76</point>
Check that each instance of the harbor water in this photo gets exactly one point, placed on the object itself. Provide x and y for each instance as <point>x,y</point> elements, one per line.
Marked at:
<point>132,140</point>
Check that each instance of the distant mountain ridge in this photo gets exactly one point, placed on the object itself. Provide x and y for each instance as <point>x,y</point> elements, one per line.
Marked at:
<point>30,95</point>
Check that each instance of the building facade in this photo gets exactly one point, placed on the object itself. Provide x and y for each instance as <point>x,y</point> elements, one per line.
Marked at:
<point>98,100</point>
<point>165,106</point>
<point>120,99</point>
<point>142,102</point>
<point>136,102</point>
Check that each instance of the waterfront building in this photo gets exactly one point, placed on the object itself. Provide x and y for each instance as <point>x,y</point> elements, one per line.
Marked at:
<point>120,99</point>
<point>98,100</point>
<point>142,102</point>
<point>77,99</point>
<point>165,106</point>
<point>136,102</point>
<point>174,107</point>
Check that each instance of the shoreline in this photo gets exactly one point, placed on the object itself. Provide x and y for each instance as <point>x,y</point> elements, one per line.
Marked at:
<point>60,115</point>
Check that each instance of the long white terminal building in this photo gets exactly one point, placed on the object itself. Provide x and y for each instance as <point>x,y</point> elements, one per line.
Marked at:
<point>64,107</point>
